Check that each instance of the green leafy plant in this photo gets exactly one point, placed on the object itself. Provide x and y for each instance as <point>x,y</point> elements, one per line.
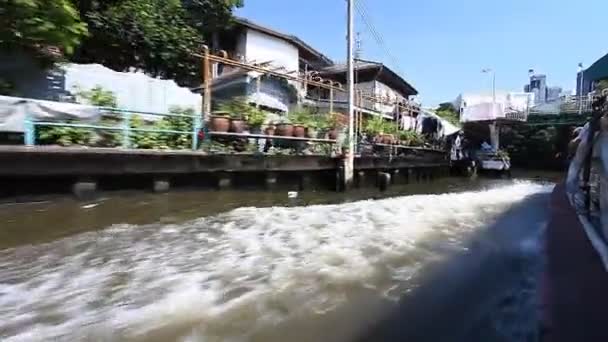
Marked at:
<point>374,126</point>
<point>336,120</point>
<point>411,138</point>
<point>64,136</point>
<point>35,26</point>
<point>256,117</point>
<point>237,108</point>
<point>70,136</point>
<point>301,116</point>
<point>96,96</point>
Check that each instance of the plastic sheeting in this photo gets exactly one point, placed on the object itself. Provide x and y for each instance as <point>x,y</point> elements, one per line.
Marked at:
<point>482,112</point>
<point>13,112</point>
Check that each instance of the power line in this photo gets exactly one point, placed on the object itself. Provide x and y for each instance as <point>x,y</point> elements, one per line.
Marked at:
<point>363,12</point>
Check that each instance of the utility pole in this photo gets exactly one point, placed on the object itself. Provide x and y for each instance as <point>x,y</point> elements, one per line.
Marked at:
<point>350,156</point>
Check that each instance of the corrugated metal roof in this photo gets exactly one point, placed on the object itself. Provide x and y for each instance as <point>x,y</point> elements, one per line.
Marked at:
<point>399,82</point>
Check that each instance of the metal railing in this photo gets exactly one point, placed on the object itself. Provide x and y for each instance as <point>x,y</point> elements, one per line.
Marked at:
<point>123,130</point>
<point>123,125</point>
<point>566,105</point>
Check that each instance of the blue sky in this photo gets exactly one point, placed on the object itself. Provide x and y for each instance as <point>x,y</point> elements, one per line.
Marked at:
<point>441,45</point>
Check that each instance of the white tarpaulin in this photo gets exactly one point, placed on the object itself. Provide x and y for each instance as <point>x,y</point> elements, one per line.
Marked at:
<point>13,111</point>
<point>482,112</point>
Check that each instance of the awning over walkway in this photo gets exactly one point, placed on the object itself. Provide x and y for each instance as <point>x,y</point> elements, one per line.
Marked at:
<point>598,70</point>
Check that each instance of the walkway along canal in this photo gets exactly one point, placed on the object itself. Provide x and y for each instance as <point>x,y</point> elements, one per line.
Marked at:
<point>460,255</point>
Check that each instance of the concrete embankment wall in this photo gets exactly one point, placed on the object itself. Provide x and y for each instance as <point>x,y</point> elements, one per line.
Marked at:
<point>83,171</point>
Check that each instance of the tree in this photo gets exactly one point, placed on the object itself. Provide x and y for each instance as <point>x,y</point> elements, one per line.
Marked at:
<point>156,36</point>
<point>447,111</point>
<point>45,29</point>
<point>447,106</point>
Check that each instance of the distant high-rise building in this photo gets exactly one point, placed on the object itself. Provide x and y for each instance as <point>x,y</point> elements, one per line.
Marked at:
<point>538,86</point>
<point>554,93</point>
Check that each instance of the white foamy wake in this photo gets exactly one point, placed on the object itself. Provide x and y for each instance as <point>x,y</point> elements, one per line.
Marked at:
<point>230,276</point>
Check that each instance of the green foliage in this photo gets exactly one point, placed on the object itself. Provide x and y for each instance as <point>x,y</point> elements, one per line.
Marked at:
<point>208,16</point>
<point>64,136</point>
<point>156,36</point>
<point>411,138</point>
<point>69,136</point>
<point>319,121</point>
<point>256,117</point>
<point>375,125</point>
<point>335,120</point>
<point>448,112</point>
<point>237,108</point>
<point>602,84</point>
<point>447,106</point>
<point>33,25</point>
<point>302,116</point>
<point>163,140</point>
<point>97,96</point>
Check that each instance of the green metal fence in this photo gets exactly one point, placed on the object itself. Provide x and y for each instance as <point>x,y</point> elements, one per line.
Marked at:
<point>123,125</point>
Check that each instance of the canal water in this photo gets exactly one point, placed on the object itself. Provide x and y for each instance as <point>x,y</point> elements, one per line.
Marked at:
<point>452,260</point>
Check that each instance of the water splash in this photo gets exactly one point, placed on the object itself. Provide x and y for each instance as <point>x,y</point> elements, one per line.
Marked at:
<point>237,275</point>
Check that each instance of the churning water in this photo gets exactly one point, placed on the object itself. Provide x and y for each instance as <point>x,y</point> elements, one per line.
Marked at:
<point>321,272</point>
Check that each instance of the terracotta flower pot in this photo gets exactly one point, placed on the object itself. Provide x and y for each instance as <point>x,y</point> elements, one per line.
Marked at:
<point>237,125</point>
<point>219,123</point>
<point>270,130</point>
<point>285,130</point>
<point>299,131</point>
<point>332,134</point>
<point>387,139</point>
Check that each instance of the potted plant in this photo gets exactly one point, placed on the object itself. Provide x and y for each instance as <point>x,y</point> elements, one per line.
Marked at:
<point>237,109</point>
<point>284,129</point>
<point>270,129</point>
<point>334,123</point>
<point>255,119</point>
<point>390,130</point>
<point>300,119</point>
<point>219,121</point>
<point>316,126</point>
<point>375,128</point>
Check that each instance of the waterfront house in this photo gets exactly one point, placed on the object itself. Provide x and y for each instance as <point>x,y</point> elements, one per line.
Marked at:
<point>379,87</point>
<point>253,43</point>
